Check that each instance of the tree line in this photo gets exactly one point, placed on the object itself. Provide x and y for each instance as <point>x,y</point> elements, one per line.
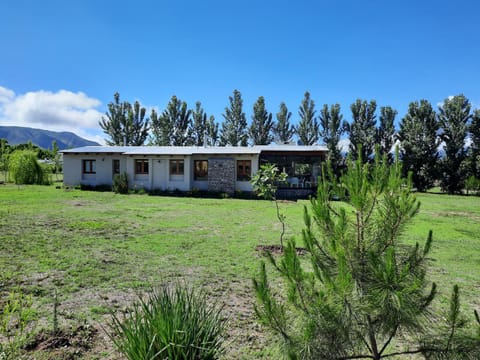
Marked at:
<point>422,132</point>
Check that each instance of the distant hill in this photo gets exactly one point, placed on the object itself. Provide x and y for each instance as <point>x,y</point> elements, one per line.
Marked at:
<point>42,138</point>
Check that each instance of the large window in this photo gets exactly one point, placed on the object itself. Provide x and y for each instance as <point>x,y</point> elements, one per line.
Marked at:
<point>200,170</point>
<point>89,167</point>
<point>141,166</point>
<point>176,167</point>
<point>244,170</point>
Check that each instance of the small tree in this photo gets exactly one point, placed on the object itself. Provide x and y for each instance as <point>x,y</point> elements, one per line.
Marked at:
<point>24,169</point>
<point>362,288</point>
<point>4,153</point>
<point>265,183</point>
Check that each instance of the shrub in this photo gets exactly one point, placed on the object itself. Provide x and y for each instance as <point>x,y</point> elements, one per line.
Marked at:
<point>172,323</point>
<point>472,184</point>
<point>25,169</point>
<point>120,183</point>
<point>16,319</point>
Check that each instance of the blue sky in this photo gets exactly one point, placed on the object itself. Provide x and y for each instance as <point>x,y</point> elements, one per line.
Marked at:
<point>61,61</point>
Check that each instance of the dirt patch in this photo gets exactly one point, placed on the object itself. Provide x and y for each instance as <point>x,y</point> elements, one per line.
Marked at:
<point>65,344</point>
<point>277,249</point>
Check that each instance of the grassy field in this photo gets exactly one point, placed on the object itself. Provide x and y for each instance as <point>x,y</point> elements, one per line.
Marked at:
<point>99,250</point>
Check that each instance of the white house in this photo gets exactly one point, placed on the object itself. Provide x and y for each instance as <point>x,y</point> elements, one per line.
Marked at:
<point>222,169</point>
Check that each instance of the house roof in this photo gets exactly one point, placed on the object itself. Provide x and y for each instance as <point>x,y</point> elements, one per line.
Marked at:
<point>193,150</point>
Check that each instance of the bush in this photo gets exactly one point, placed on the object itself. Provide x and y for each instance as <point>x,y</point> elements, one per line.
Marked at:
<point>472,184</point>
<point>172,323</point>
<point>25,169</point>
<point>120,183</point>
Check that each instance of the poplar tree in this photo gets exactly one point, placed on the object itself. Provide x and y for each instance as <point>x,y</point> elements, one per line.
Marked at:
<point>308,127</point>
<point>385,136</point>
<point>359,290</point>
<point>125,124</point>
<point>362,129</point>
<point>283,131</point>
<point>453,118</point>
<point>419,144</point>
<point>260,130</point>
<point>332,127</point>
<point>234,126</point>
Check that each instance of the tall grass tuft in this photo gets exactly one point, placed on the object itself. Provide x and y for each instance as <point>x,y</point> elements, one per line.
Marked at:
<point>171,323</point>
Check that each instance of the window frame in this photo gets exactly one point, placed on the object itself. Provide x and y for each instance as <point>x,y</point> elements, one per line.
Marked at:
<point>143,169</point>
<point>196,176</point>
<point>177,163</point>
<point>91,168</point>
<point>115,169</point>
<point>243,175</point>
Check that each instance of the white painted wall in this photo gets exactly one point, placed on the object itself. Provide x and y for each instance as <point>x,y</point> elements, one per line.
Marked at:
<point>72,169</point>
<point>157,178</point>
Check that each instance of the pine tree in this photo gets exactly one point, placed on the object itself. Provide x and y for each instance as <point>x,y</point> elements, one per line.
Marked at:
<point>331,129</point>
<point>260,130</point>
<point>138,123</point>
<point>212,131</point>
<point>385,136</point>
<point>234,126</point>
<point>308,127</point>
<point>362,130</point>
<point>360,291</point>
<point>124,124</point>
<point>283,130</point>
<point>419,144</point>
<point>199,129</point>
<point>173,127</point>
<point>453,117</point>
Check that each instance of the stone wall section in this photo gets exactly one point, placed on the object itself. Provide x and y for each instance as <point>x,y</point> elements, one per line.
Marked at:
<point>221,175</point>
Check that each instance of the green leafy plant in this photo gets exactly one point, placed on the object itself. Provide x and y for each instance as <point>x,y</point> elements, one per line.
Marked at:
<point>16,315</point>
<point>171,323</point>
<point>472,184</point>
<point>265,183</point>
<point>24,169</point>
<point>364,293</point>
<point>120,183</point>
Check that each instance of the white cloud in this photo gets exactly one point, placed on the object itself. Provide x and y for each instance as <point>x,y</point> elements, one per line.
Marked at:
<point>57,111</point>
<point>6,95</point>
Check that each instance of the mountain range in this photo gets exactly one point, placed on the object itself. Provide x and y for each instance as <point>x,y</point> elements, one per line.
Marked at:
<point>43,138</point>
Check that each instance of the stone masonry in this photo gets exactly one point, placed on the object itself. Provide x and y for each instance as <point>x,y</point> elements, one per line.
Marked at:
<point>221,175</point>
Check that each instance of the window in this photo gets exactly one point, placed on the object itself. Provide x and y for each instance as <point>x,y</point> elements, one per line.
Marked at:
<point>141,166</point>
<point>116,166</point>
<point>88,166</point>
<point>176,167</point>
<point>200,170</point>
<point>244,170</point>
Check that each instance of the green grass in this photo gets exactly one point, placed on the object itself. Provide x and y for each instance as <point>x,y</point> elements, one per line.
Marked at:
<point>98,249</point>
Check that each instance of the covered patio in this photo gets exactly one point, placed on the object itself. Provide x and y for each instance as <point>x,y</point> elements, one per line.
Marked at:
<point>303,169</point>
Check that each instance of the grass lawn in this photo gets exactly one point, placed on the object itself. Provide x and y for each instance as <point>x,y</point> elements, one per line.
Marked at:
<point>99,250</point>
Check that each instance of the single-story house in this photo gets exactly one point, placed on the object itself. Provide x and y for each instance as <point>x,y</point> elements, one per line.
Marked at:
<point>219,169</point>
